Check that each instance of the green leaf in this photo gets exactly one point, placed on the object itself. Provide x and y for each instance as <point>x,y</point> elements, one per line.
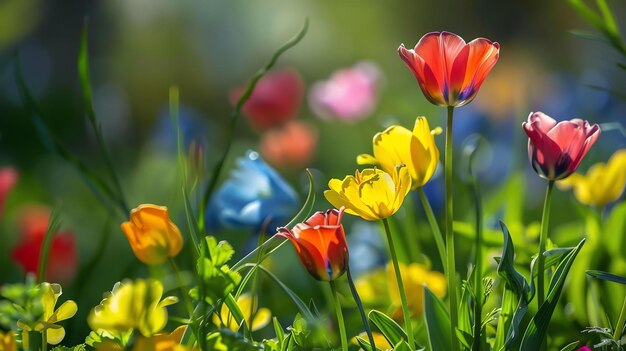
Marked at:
<point>80,347</point>
<point>301,305</point>
<point>437,322</point>
<point>390,329</point>
<point>516,297</point>
<point>234,309</point>
<point>571,346</point>
<point>218,280</point>
<point>402,346</point>
<point>280,332</point>
<point>536,330</point>
<point>607,276</point>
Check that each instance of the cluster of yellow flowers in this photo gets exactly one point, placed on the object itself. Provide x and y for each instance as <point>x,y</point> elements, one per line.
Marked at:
<point>408,159</point>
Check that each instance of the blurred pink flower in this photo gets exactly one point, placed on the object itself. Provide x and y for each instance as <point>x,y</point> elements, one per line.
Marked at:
<point>8,177</point>
<point>350,94</point>
<point>275,100</point>
<point>584,348</point>
<point>290,146</point>
<point>63,258</point>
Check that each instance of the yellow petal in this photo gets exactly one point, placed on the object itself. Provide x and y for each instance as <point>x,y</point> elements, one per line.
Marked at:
<point>262,318</point>
<point>55,336</point>
<point>65,311</point>
<point>366,159</point>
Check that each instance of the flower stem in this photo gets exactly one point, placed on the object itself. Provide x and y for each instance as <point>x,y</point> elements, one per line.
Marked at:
<point>396,268</point>
<point>359,304</point>
<point>340,322</point>
<point>184,294</point>
<point>430,215</point>
<point>619,327</point>
<point>450,233</point>
<point>36,340</point>
<point>478,267</point>
<point>541,260</point>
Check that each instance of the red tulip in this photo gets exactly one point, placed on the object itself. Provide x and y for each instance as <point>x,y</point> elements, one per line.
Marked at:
<point>8,177</point>
<point>63,258</point>
<point>556,149</point>
<point>448,70</point>
<point>321,244</point>
<point>275,100</point>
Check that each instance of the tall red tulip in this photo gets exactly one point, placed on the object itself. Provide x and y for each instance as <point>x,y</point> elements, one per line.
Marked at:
<point>63,258</point>
<point>8,177</point>
<point>321,244</point>
<point>275,100</point>
<point>556,149</point>
<point>448,70</point>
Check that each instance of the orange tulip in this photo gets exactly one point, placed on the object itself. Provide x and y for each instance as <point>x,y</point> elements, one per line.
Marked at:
<point>152,235</point>
<point>448,70</point>
<point>321,244</point>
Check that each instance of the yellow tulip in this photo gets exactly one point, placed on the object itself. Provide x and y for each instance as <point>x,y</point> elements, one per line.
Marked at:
<point>247,305</point>
<point>132,305</point>
<point>372,194</point>
<point>7,341</point>
<point>48,323</point>
<point>416,149</point>
<point>152,235</point>
<point>414,277</point>
<point>602,184</point>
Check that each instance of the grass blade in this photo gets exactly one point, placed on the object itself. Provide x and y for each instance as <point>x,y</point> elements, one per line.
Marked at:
<point>53,226</point>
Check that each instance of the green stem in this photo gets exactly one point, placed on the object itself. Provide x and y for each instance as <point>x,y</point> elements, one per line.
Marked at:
<point>44,252</point>
<point>35,340</point>
<point>478,267</point>
<point>619,327</point>
<point>44,340</point>
<point>234,116</point>
<point>541,260</point>
<point>184,294</point>
<point>340,322</point>
<point>434,227</point>
<point>396,268</point>
<point>450,233</point>
<point>359,304</point>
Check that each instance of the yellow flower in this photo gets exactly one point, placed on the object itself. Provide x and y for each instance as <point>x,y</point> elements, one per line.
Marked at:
<point>414,277</point>
<point>371,194</point>
<point>416,149</point>
<point>162,341</point>
<point>7,341</point>
<point>247,305</point>
<point>48,323</point>
<point>132,305</point>
<point>152,235</point>
<point>603,183</point>
<point>379,339</point>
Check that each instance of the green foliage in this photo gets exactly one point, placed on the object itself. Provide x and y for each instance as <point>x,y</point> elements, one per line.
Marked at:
<point>20,302</point>
<point>437,322</point>
<point>537,329</point>
<point>80,347</point>
<point>217,279</point>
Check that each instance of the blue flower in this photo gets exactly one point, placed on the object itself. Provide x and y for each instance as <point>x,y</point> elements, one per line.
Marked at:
<point>255,195</point>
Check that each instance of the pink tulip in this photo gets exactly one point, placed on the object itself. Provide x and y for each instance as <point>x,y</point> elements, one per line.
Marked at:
<point>556,149</point>
<point>8,178</point>
<point>350,94</point>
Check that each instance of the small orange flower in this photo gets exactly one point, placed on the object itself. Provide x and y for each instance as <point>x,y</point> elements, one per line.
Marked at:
<point>448,70</point>
<point>152,235</point>
<point>321,244</point>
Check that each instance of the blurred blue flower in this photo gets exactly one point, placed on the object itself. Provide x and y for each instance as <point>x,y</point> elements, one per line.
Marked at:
<point>255,195</point>
<point>194,126</point>
<point>367,249</point>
